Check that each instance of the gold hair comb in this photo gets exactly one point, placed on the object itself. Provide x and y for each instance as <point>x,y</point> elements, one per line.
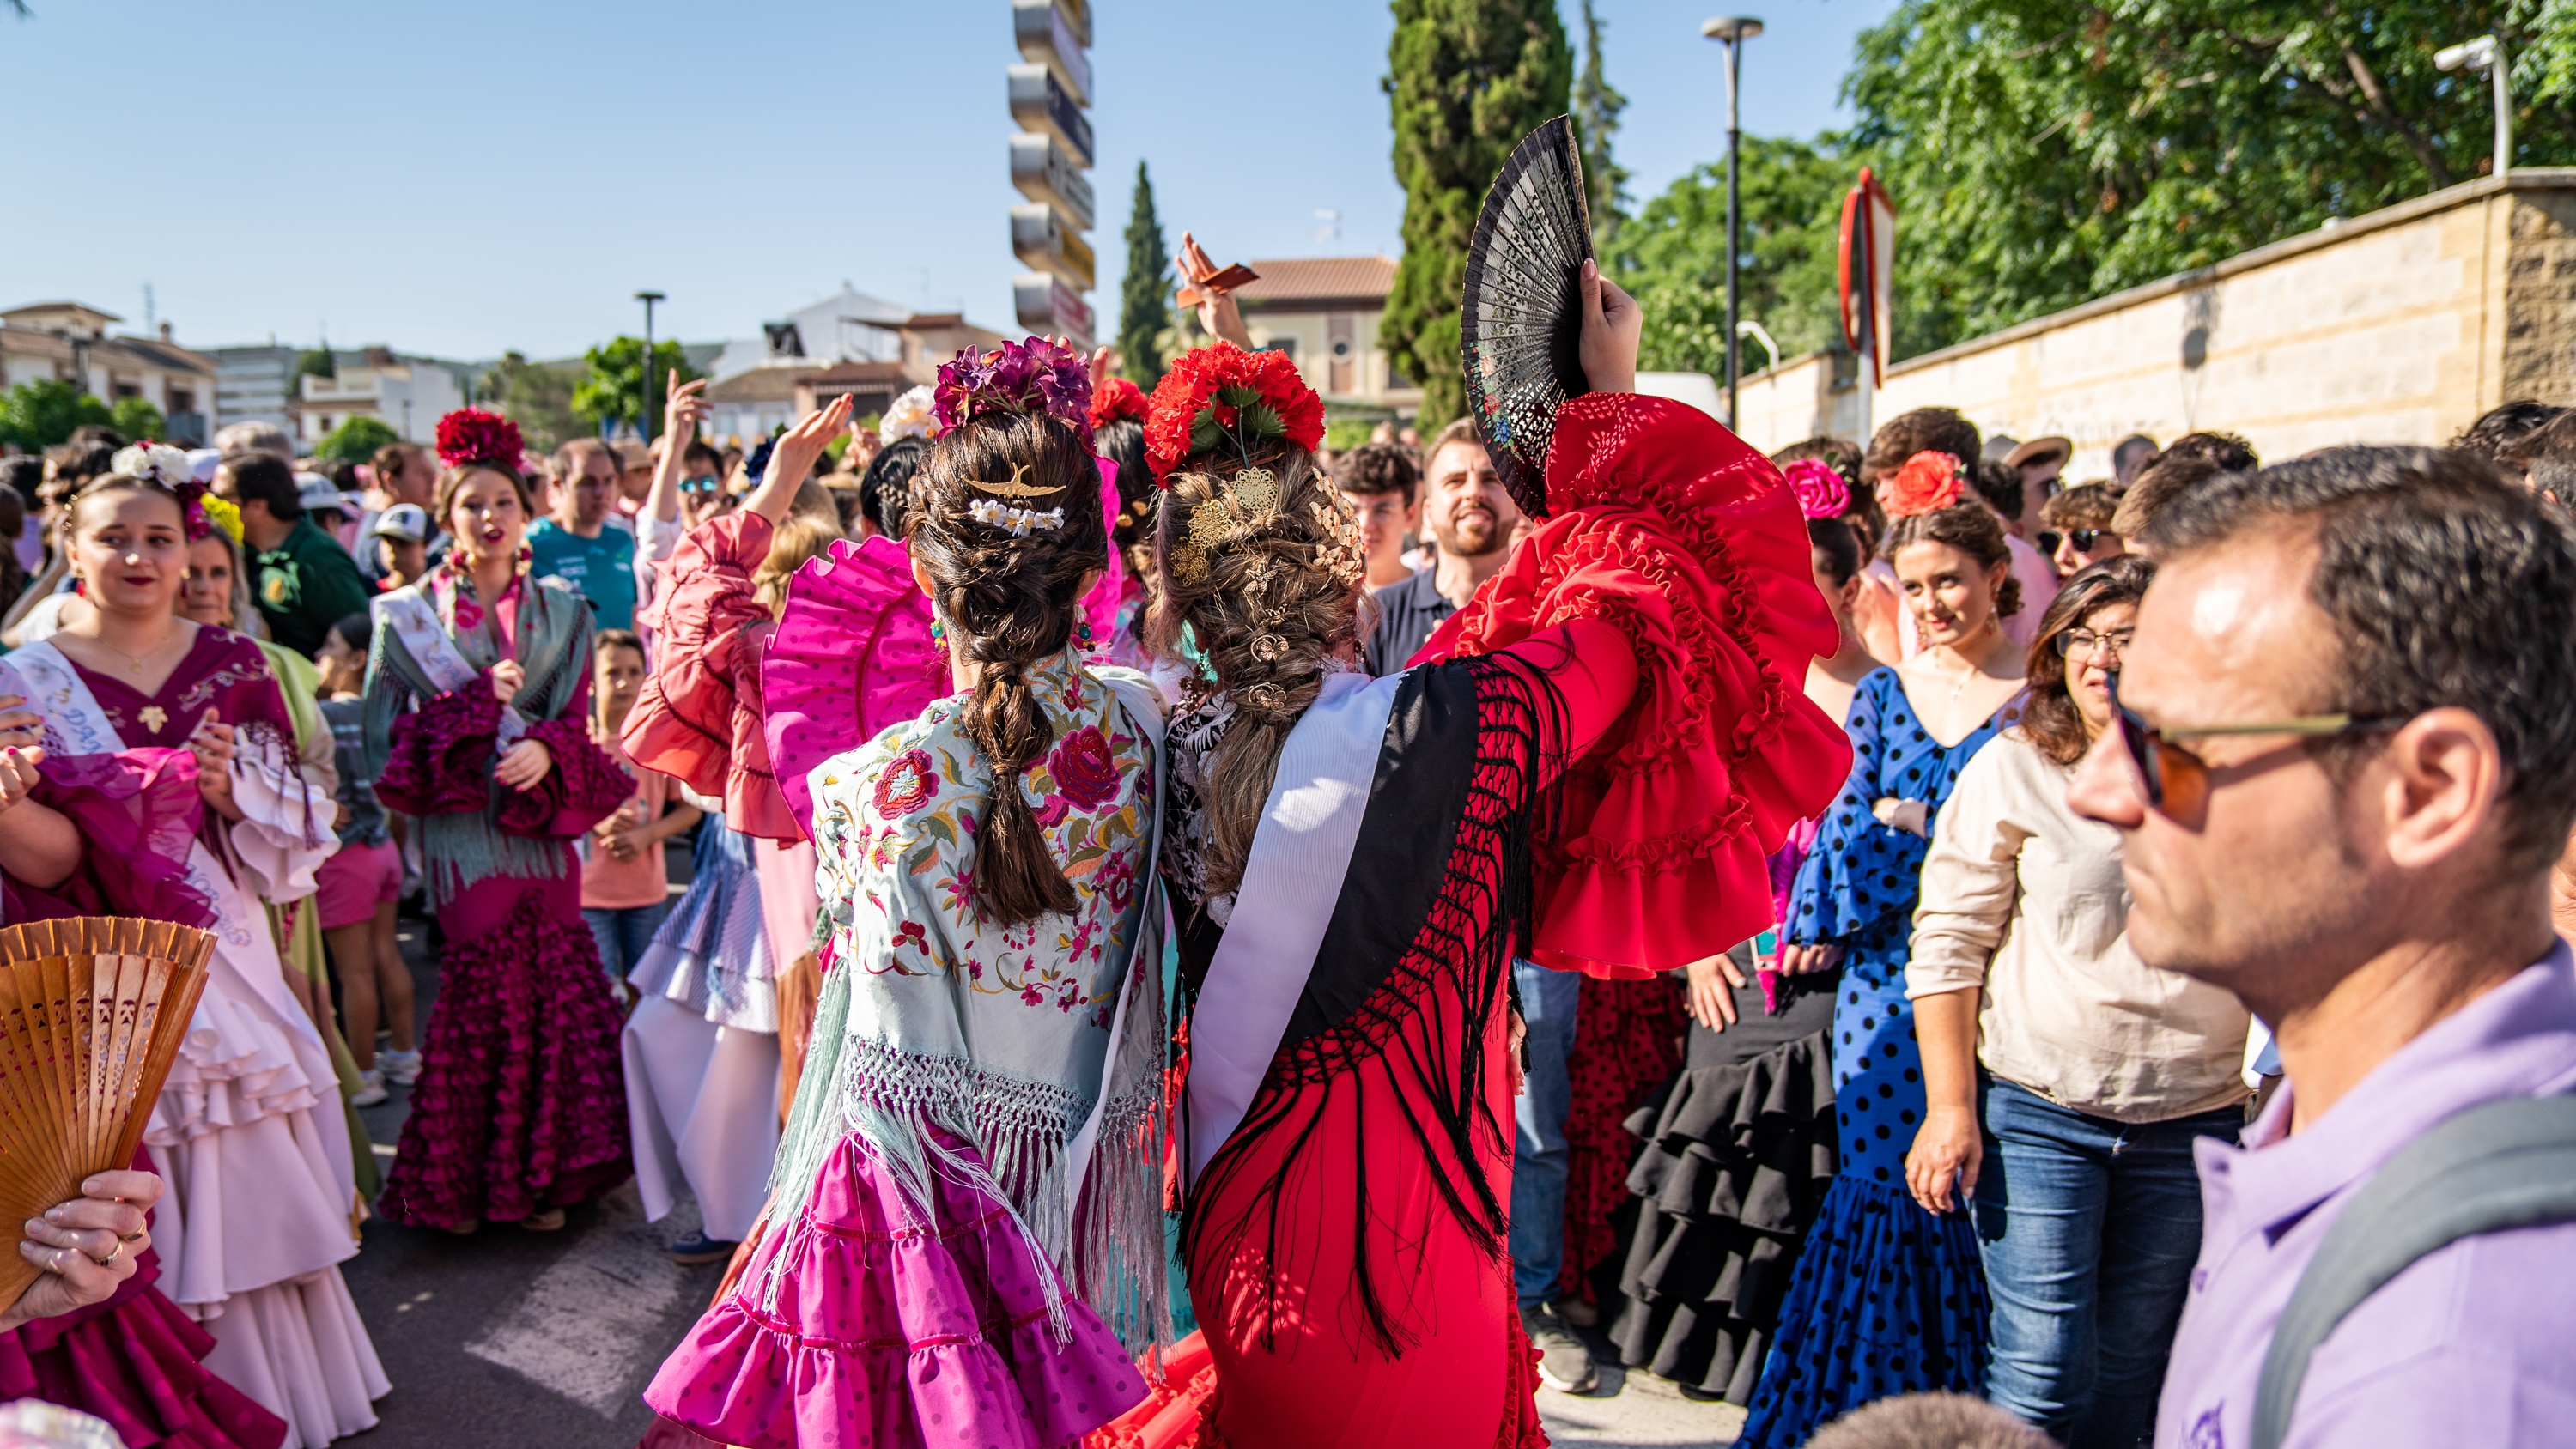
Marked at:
<point>1014,488</point>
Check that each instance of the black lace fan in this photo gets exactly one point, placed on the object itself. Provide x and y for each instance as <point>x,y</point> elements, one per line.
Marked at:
<point>1520,321</point>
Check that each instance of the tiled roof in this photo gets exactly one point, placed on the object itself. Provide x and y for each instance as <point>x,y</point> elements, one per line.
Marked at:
<point>1297,279</point>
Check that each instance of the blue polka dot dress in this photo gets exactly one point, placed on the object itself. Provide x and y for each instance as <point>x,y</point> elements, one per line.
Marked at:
<point>1888,1299</point>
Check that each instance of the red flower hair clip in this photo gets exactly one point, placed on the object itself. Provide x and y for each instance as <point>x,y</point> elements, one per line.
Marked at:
<point>1221,393</point>
<point>1928,483</point>
<point>473,436</point>
<point>1821,491</point>
<point>1117,398</point>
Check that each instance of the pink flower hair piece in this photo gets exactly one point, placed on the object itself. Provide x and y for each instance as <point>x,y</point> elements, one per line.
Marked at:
<point>1821,491</point>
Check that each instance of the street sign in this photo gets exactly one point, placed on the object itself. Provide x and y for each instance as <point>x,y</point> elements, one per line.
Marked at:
<point>1046,305</point>
<point>1041,239</point>
<point>1038,103</point>
<point>1045,38</point>
<point>1045,171</point>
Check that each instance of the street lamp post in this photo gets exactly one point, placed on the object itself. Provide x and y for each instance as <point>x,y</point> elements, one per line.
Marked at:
<point>1731,31</point>
<point>2487,53</point>
<point>644,414</point>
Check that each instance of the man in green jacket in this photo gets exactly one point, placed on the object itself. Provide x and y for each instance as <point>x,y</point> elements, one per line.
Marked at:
<point>303,580</point>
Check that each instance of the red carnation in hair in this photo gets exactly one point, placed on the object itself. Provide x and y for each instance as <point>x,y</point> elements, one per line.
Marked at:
<point>471,435</point>
<point>1928,483</point>
<point>1220,393</point>
<point>1117,398</point>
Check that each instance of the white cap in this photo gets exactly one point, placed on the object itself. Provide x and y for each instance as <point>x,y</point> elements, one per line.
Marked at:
<point>315,491</point>
<point>406,521</point>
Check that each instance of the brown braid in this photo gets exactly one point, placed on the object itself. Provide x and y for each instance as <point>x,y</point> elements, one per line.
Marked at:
<point>1272,602</point>
<point>1009,602</point>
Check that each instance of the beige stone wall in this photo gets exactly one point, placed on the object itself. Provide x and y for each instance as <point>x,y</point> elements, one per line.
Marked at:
<point>2400,327</point>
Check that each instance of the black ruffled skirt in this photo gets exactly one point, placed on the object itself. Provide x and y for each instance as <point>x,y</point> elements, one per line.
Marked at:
<point>1739,1150</point>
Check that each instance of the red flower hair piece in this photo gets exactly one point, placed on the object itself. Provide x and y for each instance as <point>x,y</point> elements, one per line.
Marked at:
<point>1821,491</point>
<point>473,436</point>
<point>1928,483</point>
<point>1222,393</point>
<point>1117,398</point>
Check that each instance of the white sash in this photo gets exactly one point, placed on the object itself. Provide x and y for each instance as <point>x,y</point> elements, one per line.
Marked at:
<point>1300,852</point>
<point>408,613</point>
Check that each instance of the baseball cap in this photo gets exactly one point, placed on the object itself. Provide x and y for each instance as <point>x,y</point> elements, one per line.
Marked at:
<point>406,521</point>
<point>315,491</point>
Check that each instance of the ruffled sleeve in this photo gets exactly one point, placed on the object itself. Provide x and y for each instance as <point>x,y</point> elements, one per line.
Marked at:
<point>1668,528</point>
<point>1832,900</point>
<point>697,718</point>
<point>137,812</point>
<point>284,833</point>
<point>852,655</point>
<point>584,787</point>
<point>438,758</point>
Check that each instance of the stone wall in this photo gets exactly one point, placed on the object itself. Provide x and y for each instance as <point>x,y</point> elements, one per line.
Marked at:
<point>2399,327</point>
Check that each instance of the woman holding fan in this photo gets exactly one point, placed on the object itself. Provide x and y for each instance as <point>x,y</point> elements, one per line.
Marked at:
<point>478,690</point>
<point>170,746</point>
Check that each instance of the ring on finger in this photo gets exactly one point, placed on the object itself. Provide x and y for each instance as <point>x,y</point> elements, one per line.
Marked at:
<point>112,1255</point>
<point>135,1236</point>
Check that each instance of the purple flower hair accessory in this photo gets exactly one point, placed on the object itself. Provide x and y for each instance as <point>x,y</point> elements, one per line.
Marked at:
<point>1036,376</point>
<point>1821,491</point>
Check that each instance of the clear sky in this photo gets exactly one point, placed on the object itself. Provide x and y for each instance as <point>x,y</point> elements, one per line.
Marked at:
<point>462,177</point>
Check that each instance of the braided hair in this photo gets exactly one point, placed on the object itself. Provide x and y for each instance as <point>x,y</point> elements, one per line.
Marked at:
<point>1268,602</point>
<point>1010,601</point>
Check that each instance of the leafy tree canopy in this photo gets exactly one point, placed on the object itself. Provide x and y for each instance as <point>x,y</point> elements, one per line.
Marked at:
<point>356,440</point>
<point>1672,256</point>
<point>42,413</point>
<point>1596,120</point>
<point>611,389</point>
<point>1466,80</point>
<point>136,417</point>
<point>536,396</point>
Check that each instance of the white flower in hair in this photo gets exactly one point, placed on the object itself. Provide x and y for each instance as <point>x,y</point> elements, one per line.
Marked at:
<point>157,462</point>
<point>909,416</point>
<point>1015,521</point>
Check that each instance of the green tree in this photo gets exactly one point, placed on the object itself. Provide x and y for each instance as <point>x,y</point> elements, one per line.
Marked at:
<point>611,389</point>
<point>1672,256</point>
<point>138,419</point>
<point>42,413</point>
<point>535,395</point>
<point>314,362</point>
<point>2045,152</point>
<point>1596,121</point>
<point>356,440</point>
<point>1144,308</point>
<point>1466,80</point>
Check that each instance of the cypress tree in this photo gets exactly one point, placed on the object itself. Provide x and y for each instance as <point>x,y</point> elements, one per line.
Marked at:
<point>1466,79</point>
<point>1144,309</point>
<point>1596,120</point>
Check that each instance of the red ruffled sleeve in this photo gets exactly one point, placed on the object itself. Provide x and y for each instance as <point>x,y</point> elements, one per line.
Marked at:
<point>852,654</point>
<point>697,718</point>
<point>1669,528</point>
<point>584,787</point>
<point>439,757</point>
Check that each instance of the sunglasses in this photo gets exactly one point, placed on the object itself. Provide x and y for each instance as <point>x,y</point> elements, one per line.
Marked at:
<point>700,485</point>
<point>2179,782</point>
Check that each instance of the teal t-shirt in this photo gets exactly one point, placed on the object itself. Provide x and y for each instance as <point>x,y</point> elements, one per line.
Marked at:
<point>600,569</point>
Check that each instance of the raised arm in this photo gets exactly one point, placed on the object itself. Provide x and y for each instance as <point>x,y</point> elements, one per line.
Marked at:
<point>679,429</point>
<point>792,461</point>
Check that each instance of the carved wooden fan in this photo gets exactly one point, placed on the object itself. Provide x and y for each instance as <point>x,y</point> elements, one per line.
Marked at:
<point>92,1011</point>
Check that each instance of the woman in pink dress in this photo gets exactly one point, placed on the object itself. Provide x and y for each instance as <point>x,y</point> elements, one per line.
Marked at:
<point>170,746</point>
<point>478,693</point>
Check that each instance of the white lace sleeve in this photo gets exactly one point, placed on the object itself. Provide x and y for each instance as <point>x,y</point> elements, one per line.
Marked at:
<point>285,831</point>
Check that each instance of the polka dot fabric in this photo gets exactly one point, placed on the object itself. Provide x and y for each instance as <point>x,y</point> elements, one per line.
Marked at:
<point>1888,1299</point>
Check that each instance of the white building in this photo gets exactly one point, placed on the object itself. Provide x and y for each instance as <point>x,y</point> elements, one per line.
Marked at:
<point>68,342</point>
<point>409,394</point>
<point>847,326</point>
<point>254,385</point>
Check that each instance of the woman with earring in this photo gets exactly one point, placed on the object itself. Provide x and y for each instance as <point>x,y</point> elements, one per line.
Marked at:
<point>968,1191</point>
<point>478,689</point>
<point>1888,1298</point>
<point>158,729</point>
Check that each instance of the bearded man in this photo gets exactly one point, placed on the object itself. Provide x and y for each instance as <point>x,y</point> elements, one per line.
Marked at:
<point>1471,518</point>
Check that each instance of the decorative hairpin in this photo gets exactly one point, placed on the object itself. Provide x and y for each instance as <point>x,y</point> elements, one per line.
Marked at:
<point>1017,522</point>
<point>1245,501</point>
<point>1928,483</point>
<point>1012,487</point>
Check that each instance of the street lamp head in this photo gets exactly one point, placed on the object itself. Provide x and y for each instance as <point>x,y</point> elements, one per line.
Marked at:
<point>648,297</point>
<point>2476,54</point>
<point>1731,28</point>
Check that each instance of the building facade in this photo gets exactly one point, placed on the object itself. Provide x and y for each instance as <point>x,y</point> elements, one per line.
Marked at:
<point>848,344</point>
<point>408,394</point>
<point>1324,313</point>
<point>69,342</point>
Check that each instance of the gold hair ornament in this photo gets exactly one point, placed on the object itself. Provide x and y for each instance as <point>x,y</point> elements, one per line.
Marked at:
<point>1013,487</point>
<point>1246,501</point>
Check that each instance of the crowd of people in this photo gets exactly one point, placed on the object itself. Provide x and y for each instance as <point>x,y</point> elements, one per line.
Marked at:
<point>1187,937</point>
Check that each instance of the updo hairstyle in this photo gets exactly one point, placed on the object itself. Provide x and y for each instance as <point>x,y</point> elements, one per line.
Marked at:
<point>1972,529</point>
<point>1010,601</point>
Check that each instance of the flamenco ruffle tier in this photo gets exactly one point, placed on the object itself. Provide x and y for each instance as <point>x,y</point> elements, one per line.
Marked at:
<point>135,1361</point>
<point>440,757</point>
<point>1737,1160</point>
<point>1890,1299</point>
<point>852,655</point>
<point>710,955</point>
<point>888,1328</point>
<point>1670,528</point>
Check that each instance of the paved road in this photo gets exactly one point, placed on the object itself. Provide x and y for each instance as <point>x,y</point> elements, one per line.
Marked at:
<point>511,1338</point>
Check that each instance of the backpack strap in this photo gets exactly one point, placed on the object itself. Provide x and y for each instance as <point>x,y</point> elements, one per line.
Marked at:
<point>2490,1169</point>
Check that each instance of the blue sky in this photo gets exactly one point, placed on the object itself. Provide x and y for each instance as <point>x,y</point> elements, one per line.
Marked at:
<point>473,175</point>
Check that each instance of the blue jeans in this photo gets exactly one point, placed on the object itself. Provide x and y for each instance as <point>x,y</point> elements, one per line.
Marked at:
<point>623,934</point>
<point>2089,1228</point>
<point>1548,1000</point>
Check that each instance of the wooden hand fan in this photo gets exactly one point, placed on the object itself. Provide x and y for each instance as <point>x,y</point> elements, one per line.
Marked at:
<point>92,1011</point>
<point>1520,319</point>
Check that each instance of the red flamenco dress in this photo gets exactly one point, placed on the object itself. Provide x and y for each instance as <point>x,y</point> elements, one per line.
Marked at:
<point>1597,754</point>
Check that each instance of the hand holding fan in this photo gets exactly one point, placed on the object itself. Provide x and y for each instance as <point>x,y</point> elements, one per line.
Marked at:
<point>92,1011</point>
<point>1520,320</point>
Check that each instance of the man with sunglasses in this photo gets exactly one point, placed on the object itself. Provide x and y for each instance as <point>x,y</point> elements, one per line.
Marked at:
<point>2344,764</point>
<point>2078,528</point>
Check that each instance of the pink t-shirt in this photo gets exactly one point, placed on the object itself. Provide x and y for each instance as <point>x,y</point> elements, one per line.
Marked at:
<point>609,884</point>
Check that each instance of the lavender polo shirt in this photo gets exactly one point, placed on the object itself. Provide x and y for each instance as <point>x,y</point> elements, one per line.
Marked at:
<point>2474,1346</point>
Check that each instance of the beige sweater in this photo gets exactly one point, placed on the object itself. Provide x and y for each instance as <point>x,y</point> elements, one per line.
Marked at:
<point>2024,898</point>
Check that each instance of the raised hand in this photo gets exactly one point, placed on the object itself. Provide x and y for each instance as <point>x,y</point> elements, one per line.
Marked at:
<point>682,414</point>
<point>1219,316</point>
<point>792,461</point>
<point>1612,327</point>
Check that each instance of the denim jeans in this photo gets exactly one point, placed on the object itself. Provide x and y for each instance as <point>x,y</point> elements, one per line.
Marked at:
<point>2089,1228</point>
<point>623,934</point>
<point>1548,1001</point>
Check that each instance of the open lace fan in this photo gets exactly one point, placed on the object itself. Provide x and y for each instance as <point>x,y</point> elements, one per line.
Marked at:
<point>92,1010</point>
<point>1520,322</point>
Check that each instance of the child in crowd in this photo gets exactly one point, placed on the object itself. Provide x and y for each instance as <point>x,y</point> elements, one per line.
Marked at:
<point>624,891</point>
<point>360,885</point>
<point>401,541</point>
